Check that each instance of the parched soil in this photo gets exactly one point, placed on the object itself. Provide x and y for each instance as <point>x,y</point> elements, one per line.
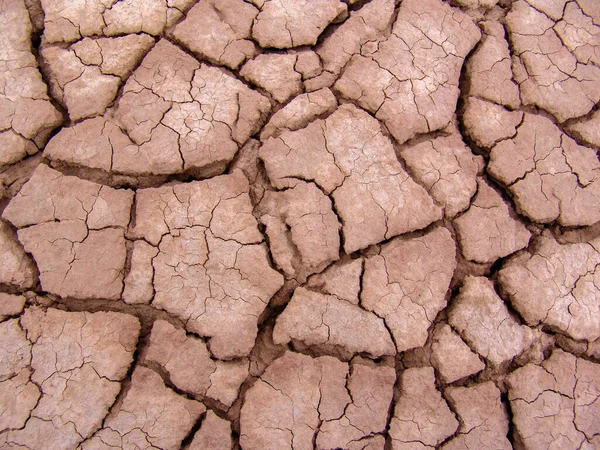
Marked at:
<point>299,224</point>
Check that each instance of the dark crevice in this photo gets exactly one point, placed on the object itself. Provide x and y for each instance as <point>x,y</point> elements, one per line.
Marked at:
<point>192,433</point>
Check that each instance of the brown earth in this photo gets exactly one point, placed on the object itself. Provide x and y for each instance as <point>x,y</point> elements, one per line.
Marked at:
<point>299,224</point>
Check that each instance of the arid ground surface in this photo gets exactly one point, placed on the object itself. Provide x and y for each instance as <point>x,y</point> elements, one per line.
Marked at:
<point>299,224</point>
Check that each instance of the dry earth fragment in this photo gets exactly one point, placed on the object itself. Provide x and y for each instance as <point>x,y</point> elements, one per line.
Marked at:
<point>484,322</point>
<point>284,407</point>
<point>300,398</point>
<point>579,34</point>
<point>15,349</point>
<point>452,358</point>
<point>489,68</point>
<point>557,285</point>
<point>308,64</point>
<point>85,77</point>
<point>556,403</point>
<point>10,305</point>
<point>588,129</point>
<point>550,176</point>
<point>190,367</point>
<point>78,360</point>
<point>341,279</point>
<point>349,157</point>
<point>591,9</point>
<point>184,115</point>
<point>299,113</point>
<point>549,74</point>
<point>151,416</point>
<point>488,231</point>
<point>175,115</point>
<point>490,87</point>
<point>26,115</point>
<point>483,418</point>
<point>422,419</point>
<point>552,8</point>
<point>327,322</point>
<point>212,270</point>
<point>488,123</point>
<point>16,268</point>
<point>306,299</point>
<point>94,143</point>
<point>302,229</point>
<point>18,395</point>
<point>410,80</point>
<point>371,389</point>
<point>70,20</point>
<point>143,16</point>
<point>369,23</point>
<point>226,380</point>
<point>447,168</point>
<point>292,23</point>
<point>139,286</point>
<point>75,231</point>
<point>275,73</point>
<point>406,284</point>
<point>214,433</point>
<point>219,31</point>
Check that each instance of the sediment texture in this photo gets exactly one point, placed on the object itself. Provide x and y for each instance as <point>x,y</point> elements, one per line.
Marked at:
<point>299,224</point>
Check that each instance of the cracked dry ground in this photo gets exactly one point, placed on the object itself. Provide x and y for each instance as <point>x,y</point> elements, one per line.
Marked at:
<point>299,224</point>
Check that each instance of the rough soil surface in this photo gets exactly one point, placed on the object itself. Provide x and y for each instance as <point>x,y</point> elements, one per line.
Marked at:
<point>299,224</point>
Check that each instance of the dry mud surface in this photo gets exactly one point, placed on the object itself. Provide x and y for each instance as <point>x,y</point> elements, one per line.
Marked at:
<point>299,224</point>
